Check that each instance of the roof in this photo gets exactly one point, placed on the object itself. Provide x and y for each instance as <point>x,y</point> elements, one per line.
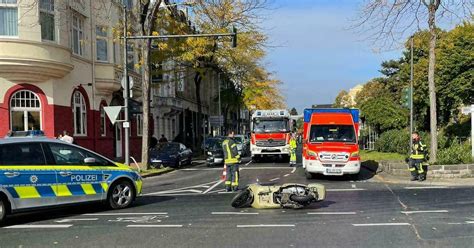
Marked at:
<point>29,139</point>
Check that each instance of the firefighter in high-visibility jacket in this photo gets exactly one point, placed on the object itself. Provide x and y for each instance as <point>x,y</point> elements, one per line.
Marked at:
<point>232,161</point>
<point>418,165</point>
<point>293,150</point>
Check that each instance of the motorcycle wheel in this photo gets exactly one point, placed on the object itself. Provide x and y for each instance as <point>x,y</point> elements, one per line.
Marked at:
<point>303,200</point>
<point>243,199</point>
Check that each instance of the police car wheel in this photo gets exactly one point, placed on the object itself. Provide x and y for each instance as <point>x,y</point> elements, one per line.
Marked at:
<point>3,210</point>
<point>121,195</point>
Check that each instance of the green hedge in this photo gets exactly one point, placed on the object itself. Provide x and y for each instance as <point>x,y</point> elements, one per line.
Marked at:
<point>450,150</point>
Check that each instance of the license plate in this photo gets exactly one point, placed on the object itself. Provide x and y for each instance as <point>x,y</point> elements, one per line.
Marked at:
<point>333,171</point>
<point>156,161</point>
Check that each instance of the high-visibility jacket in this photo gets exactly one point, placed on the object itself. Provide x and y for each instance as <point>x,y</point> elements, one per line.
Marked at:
<point>418,150</point>
<point>293,143</point>
<point>231,153</point>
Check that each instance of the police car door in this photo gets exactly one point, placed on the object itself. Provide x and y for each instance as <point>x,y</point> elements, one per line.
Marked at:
<point>25,175</point>
<point>79,177</point>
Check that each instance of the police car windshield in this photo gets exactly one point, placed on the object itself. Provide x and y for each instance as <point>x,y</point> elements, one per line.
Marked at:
<point>270,125</point>
<point>332,133</point>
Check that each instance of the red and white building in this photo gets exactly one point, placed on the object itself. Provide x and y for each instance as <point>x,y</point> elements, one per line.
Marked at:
<point>59,66</point>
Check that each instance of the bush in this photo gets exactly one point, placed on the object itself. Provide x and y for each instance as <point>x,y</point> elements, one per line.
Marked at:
<point>456,153</point>
<point>393,141</point>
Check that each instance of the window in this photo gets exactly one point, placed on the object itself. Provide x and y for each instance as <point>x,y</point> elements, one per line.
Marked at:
<point>25,111</point>
<point>22,154</point>
<point>70,155</point>
<point>8,18</point>
<point>80,114</point>
<point>101,44</point>
<point>139,124</point>
<point>103,122</point>
<point>47,19</point>
<point>77,36</point>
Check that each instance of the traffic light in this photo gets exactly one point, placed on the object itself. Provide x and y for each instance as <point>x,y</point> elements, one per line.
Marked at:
<point>406,97</point>
<point>234,37</point>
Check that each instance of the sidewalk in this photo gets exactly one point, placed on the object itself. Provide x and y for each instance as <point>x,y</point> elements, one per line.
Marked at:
<point>391,179</point>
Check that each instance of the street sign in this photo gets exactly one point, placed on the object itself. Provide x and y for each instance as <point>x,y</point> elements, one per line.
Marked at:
<point>113,112</point>
<point>216,120</point>
<point>123,82</point>
<point>467,110</point>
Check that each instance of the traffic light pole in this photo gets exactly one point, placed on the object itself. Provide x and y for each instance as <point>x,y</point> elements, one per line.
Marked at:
<point>126,123</point>
<point>411,91</point>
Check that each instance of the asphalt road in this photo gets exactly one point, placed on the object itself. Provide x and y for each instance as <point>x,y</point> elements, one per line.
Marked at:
<point>188,208</point>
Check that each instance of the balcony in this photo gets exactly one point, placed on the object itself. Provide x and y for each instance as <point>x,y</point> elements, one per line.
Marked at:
<point>29,61</point>
<point>107,78</point>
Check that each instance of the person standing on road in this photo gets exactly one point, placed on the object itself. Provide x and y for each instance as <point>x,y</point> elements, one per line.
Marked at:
<point>293,150</point>
<point>418,158</point>
<point>232,160</point>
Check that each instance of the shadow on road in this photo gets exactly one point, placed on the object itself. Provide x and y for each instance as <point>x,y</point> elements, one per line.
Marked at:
<point>76,210</point>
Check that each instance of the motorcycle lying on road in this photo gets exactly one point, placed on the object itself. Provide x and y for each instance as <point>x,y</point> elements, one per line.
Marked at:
<point>289,195</point>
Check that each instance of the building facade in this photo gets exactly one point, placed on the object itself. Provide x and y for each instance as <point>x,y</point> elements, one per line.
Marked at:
<point>60,64</point>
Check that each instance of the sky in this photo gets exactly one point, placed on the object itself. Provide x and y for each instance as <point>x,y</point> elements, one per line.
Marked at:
<point>314,53</point>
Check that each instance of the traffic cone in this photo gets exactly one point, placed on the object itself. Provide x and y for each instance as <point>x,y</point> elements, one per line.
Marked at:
<point>224,173</point>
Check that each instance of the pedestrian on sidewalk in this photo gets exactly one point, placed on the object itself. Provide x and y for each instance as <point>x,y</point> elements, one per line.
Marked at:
<point>418,159</point>
<point>293,147</point>
<point>232,161</point>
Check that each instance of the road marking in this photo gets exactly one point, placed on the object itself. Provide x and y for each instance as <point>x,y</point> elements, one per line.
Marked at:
<point>154,226</point>
<point>267,225</point>
<point>424,211</point>
<point>183,189</point>
<point>233,213</point>
<point>216,191</point>
<point>274,179</point>
<point>332,213</point>
<point>71,220</point>
<point>37,226</point>
<point>353,186</point>
<point>120,214</point>
<point>201,169</point>
<point>465,223</point>
<point>286,175</point>
<point>382,224</point>
<point>248,163</point>
<point>427,187</point>
<point>212,187</point>
<point>335,190</point>
<point>226,192</point>
<point>293,171</point>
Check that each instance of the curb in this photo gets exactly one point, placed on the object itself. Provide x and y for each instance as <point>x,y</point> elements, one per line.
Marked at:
<point>391,179</point>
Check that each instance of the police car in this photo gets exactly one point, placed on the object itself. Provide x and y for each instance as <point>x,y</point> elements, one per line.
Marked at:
<point>42,172</point>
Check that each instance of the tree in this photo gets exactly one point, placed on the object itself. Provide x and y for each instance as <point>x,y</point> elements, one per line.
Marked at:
<point>383,114</point>
<point>388,21</point>
<point>343,100</point>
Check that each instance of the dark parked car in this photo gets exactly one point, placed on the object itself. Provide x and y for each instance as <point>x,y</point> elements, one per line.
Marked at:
<point>215,154</point>
<point>172,154</point>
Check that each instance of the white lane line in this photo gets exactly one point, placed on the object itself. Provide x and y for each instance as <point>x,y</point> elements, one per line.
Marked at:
<point>332,213</point>
<point>233,213</point>
<point>201,169</point>
<point>286,175</point>
<point>424,211</point>
<point>216,191</point>
<point>225,192</point>
<point>267,225</point>
<point>248,163</point>
<point>37,226</point>
<point>72,220</point>
<point>382,224</point>
<point>293,171</point>
<point>212,187</point>
<point>274,179</point>
<point>120,214</point>
<point>334,190</point>
<point>154,226</point>
<point>267,168</point>
<point>427,187</point>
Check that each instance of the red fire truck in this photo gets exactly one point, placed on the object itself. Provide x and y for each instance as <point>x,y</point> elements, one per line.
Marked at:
<point>270,134</point>
<point>330,142</point>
